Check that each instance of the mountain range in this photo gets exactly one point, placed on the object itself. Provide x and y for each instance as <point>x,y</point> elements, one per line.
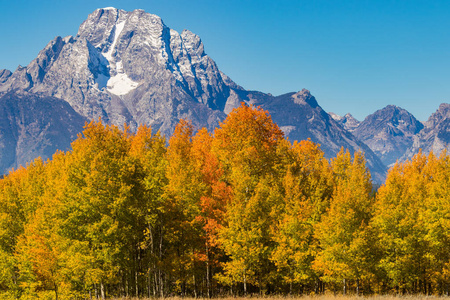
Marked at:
<point>129,67</point>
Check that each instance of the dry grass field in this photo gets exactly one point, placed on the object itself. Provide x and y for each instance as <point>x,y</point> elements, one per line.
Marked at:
<point>319,297</point>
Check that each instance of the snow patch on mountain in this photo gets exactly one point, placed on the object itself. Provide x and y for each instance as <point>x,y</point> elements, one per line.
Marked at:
<point>119,84</point>
<point>117,31</point>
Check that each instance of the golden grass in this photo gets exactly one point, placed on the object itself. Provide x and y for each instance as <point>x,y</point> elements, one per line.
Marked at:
<point>318,297</point>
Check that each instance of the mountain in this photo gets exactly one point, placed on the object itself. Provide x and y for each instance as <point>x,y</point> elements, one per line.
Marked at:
<point>32,126</point>
<point>389,132</point>
<point>347,121</point>
<point>301,117</point>
<point>130,67</point>
<point>435,136</point>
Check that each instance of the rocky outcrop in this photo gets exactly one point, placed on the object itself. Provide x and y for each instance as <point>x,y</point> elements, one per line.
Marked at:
<point>435,136</point>
<point>347,121</point>
<point>129,67</point>
<point>301,117</point>
<point>389,132</point>
<point>33,126</point>
<point>4,75</point>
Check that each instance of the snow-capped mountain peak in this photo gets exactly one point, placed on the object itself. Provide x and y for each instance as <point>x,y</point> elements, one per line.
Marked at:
<point>129,67</point>
<point>117,34</point>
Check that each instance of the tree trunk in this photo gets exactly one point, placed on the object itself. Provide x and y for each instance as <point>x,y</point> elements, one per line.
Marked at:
<point>122,283</point>
<point>155,284</point>
<point>208,272</point>
<point>136,283</point>
<point>102,290</point>
<point>56,292</point>
<point>195,285</point>
<point>245,284</point>
<point>425,287</point>
<point>161,284</point>
<point>357,287</point>
<point>14,275</point>
<point>344,291</point>
<point>149,283</point>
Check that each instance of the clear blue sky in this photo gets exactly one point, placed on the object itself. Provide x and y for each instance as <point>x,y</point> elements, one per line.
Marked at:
<point>354,56</point>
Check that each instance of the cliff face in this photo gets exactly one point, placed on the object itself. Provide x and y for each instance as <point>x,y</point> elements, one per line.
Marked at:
<point>129,67</point>
<point>435,136</point>
<point>347,121</point>
<point>301,117</point>
<point>33,126</point>
<point>389,132</point>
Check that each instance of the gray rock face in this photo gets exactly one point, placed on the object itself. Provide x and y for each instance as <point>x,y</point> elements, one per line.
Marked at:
<point>347,121</point>
<point>130,67</point>
<point>389,132</point>
<point>33,126</point>
<point>300,117</point>
<point>4,75</point>
<point>435,136</point>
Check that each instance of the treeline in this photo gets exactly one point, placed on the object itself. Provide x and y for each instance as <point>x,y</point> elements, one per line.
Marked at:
<point>239,211</point>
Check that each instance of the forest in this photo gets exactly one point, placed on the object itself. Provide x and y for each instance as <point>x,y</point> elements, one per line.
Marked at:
<point>238,211</point>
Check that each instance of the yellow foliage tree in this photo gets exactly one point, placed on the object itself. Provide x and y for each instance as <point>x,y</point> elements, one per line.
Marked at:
<point>307,191</point>
<point>344,234</point>
<point>246,144</point>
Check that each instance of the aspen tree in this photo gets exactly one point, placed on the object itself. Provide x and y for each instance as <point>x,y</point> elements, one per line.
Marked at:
<point>344,233</point>
<point>246,144</point>
<point>308,187</point>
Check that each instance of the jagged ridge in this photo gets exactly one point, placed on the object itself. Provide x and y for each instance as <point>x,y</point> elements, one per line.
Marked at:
<point>389,132</point>
<point>130,67</point>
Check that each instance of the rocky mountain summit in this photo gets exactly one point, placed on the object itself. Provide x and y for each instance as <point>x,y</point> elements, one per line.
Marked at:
<point>301,117</point>
<point>435,135</point>
<point>130,67</point>
<point>347,121</point>
<point>394,134</point>
<point>389,132</point>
